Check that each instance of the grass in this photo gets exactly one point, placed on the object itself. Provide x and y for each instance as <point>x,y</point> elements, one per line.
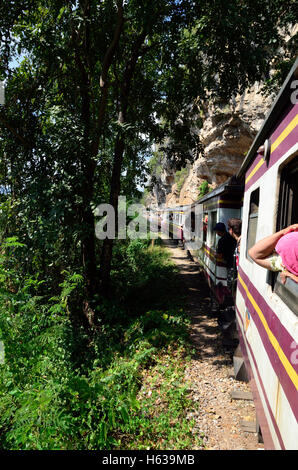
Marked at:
<point>163,423</point>
<point>123,389</point>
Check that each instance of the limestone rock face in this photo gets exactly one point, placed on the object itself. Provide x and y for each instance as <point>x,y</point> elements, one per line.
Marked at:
<point>225,137</point>
<point>228,133</point>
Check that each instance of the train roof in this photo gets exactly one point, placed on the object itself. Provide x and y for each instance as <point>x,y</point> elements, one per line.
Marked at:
<point>230,185</point>
<point>176,208</point>
<point>279,105</point>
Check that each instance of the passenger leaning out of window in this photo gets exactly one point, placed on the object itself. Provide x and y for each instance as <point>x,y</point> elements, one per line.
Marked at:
<point>279,252</point>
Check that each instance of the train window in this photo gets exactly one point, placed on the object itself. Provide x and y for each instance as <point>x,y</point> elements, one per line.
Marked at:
<point>288,196</point>
<point>287,215</point>
<point>288,292</point>
<point>252,219</point>
<point>213,220</point>
<point>205,226</point>
<point>193,221</point>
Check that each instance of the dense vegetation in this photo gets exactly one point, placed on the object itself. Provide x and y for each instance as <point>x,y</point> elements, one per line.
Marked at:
<point>89,86</point>
<point>63,389</point>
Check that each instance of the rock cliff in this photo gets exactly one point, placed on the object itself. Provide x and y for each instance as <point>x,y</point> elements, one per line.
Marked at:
<point>222,142</point>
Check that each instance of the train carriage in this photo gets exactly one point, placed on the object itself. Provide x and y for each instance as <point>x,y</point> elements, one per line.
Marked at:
<point>264,194</point>
<point>154,218</point>
<point>219,205</point>
<point>173,222</point>
<point>266,309</point>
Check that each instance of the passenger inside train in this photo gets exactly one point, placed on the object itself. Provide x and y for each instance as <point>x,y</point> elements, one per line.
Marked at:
<point>234,227</point>
<point>226,244</point>
<point>226,248</point>
<point>278,252</point>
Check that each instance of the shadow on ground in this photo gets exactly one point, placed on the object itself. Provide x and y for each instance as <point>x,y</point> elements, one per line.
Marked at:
<point>208,339</point>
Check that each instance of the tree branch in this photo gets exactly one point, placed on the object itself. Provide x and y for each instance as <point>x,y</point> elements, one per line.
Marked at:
<point>12,129</point>
<point>113,46</point>
<point>107,62</point>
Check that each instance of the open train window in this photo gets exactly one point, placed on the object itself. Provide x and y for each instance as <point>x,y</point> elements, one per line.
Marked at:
<point>288,196</point>
<point>287,215</point>
<point>213,220</point>
<point>253,219</point>
<point>197,222</point>
<point>193,221</point>
<point>205,226</point>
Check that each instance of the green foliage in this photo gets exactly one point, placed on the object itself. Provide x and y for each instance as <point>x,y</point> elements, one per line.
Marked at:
<point>162,422</point>
<point>155,166</point>
<point>60,389</point>
<point>203,188</point>
<point>282,68</point>
<point>137,272</point>
<point>144,198</point>
<point>60,123</point>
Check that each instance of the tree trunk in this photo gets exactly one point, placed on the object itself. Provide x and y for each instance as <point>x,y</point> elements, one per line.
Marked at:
<point>107,249</point>
<point>125,88</point>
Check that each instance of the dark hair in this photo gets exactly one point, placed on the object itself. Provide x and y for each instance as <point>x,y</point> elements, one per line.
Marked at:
<point>235,225</point>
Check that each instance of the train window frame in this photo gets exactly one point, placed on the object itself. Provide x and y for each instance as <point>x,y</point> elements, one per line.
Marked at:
<point>251,217</point>
<point>287,292</point>
<point>287,214</point>
<point>198,225</point>
<point>205,226</point>
<point>211,225</point>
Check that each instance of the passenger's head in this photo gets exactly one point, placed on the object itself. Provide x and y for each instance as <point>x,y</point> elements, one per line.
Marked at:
<point>287,248</point>
<point>220,228</point>
<point>234,226</point>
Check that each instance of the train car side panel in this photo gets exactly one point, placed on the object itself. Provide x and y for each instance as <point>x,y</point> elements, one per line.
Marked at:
<point>273,327</point>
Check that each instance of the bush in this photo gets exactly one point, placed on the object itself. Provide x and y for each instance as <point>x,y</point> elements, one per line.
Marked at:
<point>140,273</point>
<point>203,188</point>
<point>62,389</point>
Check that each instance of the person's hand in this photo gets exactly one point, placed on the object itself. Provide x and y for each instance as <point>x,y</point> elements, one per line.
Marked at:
<point>284,274</point>
<point>291,228</point>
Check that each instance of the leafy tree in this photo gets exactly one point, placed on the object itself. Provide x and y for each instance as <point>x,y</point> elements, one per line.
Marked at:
<point>95,77</point>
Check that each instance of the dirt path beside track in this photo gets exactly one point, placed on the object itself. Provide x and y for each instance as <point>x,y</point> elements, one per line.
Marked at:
<point>210,373</point>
